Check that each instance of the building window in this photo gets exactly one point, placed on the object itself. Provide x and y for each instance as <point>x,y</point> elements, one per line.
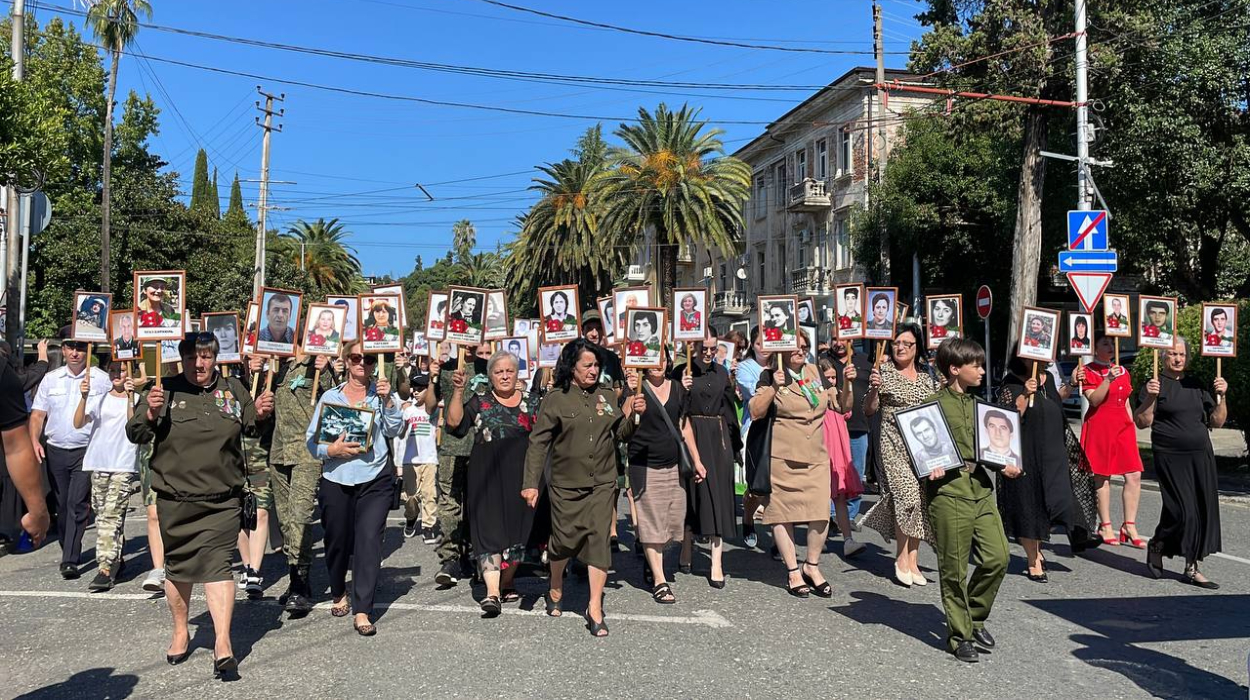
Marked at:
<point>760,262</point>
<point>800,165</point>
<point>761,196</point>
<point>822,159</point>
<point>724,277</point>
<point>842,242</point>
<point>846,155</point>
<point>779,184</point>
<point>801,252</point>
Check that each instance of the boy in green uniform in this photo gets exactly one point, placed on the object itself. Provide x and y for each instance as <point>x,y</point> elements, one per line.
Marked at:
<point>963,512</point>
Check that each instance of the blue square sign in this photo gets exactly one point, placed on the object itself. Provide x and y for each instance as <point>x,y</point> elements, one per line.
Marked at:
<point>1087,230</point>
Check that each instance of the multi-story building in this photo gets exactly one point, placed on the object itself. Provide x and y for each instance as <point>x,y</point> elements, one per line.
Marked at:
<point>810,168</point>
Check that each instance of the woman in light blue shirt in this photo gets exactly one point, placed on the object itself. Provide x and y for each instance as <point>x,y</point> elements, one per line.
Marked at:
<point>746,376</point>
<point>357,488</point>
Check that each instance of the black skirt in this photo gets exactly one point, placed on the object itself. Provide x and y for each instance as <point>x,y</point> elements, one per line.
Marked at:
<point>711,508</point>
<point>1189,525</point>
<point>499,518</point>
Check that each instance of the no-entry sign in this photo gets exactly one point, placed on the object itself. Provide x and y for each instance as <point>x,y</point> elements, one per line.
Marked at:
<point>985,302</point>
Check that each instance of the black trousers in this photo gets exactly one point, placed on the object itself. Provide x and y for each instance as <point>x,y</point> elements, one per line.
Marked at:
<point>354,518</point>
<point>71,492</point>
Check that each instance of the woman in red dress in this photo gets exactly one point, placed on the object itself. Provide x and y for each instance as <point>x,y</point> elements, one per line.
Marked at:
<point>1110,440</point>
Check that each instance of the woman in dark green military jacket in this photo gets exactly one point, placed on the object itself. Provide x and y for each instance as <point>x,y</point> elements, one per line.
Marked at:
<point>197,420</point>
<point>578,425</point>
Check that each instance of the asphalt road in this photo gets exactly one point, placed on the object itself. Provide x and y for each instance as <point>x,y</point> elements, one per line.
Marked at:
<point>1099,629</point>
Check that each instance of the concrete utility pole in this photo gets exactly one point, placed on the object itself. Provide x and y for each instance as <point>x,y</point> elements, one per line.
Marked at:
<point>1084,189</point>
<point>262,206</point>
<point>876,131</point>
<point>13,207</point>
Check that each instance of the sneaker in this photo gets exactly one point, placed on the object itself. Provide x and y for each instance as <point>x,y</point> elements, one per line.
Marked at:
<point>155,581</point>
<point>428,536</point>
<point>253,585</point>
<point>410,528</point>
<point>448,574</point>
<point>750,540</point>
<point>850,548</point>
<point>103,581</point>
<point>242,580</point>
<point>69,571</point>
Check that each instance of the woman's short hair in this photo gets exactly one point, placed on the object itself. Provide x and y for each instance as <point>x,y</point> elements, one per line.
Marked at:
<point>959,352</point>
<point>496,358</point>
<point>347,348</point>
<point>649,317</point>
<point>562,296</point>
<point>918,334</point>
<point>879,296</point>
<point>192,344</point>
<point>569,356</point>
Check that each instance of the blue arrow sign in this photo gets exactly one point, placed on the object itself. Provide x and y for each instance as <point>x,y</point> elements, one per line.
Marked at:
<point>1087,230</point>
<point>1088,261</point>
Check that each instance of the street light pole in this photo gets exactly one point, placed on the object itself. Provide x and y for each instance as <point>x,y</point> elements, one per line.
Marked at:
<point>13,208</point>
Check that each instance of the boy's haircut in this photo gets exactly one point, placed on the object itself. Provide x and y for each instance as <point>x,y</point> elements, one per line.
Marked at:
<point>959,352</point>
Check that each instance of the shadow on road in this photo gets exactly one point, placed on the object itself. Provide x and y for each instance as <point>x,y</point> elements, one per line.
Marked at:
<point>923,621</point>
<point>1121,624</point>
<point>92,683</point>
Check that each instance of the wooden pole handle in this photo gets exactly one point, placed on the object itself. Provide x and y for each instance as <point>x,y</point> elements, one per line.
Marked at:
<point>269,378</point>
<point>1117,351</point>
<point>316,383</point>
<point>256,378</point>
<point>1034,379</point>
<point>1219,374</point>
<point>160,366</point>
<point>1156,364</point>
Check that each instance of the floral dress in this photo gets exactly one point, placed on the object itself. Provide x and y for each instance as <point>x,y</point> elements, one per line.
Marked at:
<point>499,520</point>
<point>903,502</point>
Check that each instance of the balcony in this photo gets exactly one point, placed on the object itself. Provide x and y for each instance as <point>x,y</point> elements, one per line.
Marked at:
<point>808,282</point>
<point>731,304</point>
<point>809,195</point>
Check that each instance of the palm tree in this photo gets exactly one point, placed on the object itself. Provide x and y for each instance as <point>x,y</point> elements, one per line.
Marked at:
<point>318,249</point>
<point>463,239</point>
<point>673,179</point>
<point>115,24</point>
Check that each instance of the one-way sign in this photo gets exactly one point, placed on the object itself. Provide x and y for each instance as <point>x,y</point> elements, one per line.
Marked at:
<point>1092,261</point>
<point>1087,230</point>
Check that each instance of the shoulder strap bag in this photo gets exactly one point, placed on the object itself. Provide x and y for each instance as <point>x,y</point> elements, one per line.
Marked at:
<point>685,465</point>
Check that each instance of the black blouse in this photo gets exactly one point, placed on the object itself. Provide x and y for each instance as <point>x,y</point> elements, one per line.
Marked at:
<point>653,444</point>
<point>1182,415</point>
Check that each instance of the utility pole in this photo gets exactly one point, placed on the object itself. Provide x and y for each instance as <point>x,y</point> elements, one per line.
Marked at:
<point>262,207</point>
<point>13,208</point>
<point>1084,190</point>
<point>876,131</point>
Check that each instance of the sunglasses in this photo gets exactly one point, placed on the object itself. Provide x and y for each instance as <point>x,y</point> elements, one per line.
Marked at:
<point>356,359</point>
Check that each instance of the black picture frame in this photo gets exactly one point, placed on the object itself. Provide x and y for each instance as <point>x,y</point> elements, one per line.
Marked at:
<point>981,441</point>
<point>925,460</point>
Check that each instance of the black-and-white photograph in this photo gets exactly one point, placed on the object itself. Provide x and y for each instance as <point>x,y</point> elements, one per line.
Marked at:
<point>997,436</point>
<point>607,315</point>
<point>354,424</point>
<point>807,312</point>
<point>778,322</point>
<point>466,315</point>
<point>436,316</point>
<point>624,299</point>
<point>945,318</point>
<point>561,313</point>
<point>928,438</point>
<point>519,347</point>
<point>351,326</point>
<point>496,315</point>
<point>420,344</point>
<point>549,354</point>
<point>850,301</point>
<point>224,325</point>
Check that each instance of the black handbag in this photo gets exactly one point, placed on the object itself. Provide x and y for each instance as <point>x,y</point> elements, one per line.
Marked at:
<point>759,453</point>
<point>247,500</point>
<point>398,486</point>
<point>685,464</point>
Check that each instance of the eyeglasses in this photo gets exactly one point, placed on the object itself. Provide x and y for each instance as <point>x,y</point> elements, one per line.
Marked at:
<point>905,344</point>
<point>356,359</point>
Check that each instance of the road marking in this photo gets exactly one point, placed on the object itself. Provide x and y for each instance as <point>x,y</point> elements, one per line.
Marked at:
<point>1222,555</point>
<point>706,618</point>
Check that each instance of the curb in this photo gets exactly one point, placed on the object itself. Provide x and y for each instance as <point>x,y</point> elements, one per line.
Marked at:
<point>1241,499</point>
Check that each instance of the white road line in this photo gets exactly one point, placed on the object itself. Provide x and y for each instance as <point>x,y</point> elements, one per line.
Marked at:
<point>1239,560</point>
<point>706,618</point>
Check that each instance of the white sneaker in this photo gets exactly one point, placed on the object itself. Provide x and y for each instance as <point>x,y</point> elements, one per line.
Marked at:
<point>155,581</point>
<point>850,548</point>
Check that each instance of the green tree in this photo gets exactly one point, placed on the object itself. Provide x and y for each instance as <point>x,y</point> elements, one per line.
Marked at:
<point>672,181</point>
<point>319,248</point>
<point>214,200</point>
<point>235,210</point>
<point>33,144</point>
<point>200,190</point>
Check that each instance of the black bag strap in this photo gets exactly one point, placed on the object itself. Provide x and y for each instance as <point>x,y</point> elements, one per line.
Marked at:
<point>668,420</point>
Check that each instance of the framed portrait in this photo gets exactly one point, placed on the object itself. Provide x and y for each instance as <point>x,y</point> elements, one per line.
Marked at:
<point>607,313</point>
<point>1039,334</point>
<point>928,438</point>
<point>1080,334</point>
<point>420,344</point>
<point>436,316</point>
<point>251,328</point>
<point>349,304</point>
<point>279,321</point>
<point>91,317</point>
<point>561,320</point>
<point>944,318</point>
<point>169,352</point>
<point>850,301</point>
<point>224,325</point>
<point>466,315</point>
<point>996,439</point>
<point>725,352</point>
<point>394,289</point>
<point>1116,315</point>
<point>549,354</point>
<point>521,326</point>
<point>900,312</point>
<point>644,336</point>
<point>519,348</point>
<point>1156,322</point>
<point>1219,330</point>
<point>123,343</point>
<point>809,332</point>
<point>778,322</point>
<point>689,313</point>
<point>160,304</point>
<point>352,423</point>
<point>323,329</point>
<point>381,326</point>
<point>880,302</point>
<point>496,315</point>
<point>807,312</point>
<point>627,298</point>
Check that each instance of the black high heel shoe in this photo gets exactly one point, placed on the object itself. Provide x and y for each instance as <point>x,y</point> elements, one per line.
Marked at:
<point>800,591</point>
<point>226,669</point>
<point>175,659</point>
<point>824,590</point>
<point>1154,560</point>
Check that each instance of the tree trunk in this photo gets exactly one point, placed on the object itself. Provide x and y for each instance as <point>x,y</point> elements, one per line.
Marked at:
<point>105,274</point>
<point>1027,242</point>
<point>665,268</point>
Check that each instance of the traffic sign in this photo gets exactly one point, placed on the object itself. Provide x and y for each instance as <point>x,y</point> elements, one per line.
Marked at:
<point>1087,230</point>
<point>1093,261</point>
<point>40,211</point>
<point>1089,287</point>
<point>985,302</point>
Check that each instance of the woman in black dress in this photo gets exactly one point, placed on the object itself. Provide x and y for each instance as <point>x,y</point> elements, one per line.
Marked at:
<point>499,521</point>
<point>1180,413</point>
<point>1045,494</point>
<point>714,420</point>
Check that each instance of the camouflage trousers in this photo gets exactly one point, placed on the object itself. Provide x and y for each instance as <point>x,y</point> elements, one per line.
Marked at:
<point>452,475</point>
<point>110,495</point>
<point>294,488</point>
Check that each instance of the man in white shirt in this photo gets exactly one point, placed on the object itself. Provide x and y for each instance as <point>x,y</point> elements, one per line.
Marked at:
<point>52,416</point>
<point>416,451</point>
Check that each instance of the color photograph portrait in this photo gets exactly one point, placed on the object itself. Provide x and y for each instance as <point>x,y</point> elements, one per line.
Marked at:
<point>91,317</point>
<point>998,441</point>
<point>1039,331</point>
<point>1115,316</point>
<point>123,342</point>
<point>850,301</point>
<point>1080,334</point>
<point>690,309</point>
<point>559,310</point>
<point>279,321</point>
<point>1156,322</point>
<point>323,329</point>
<point>381,328</point>
<point>1219,330</point>
<point>160,304</point>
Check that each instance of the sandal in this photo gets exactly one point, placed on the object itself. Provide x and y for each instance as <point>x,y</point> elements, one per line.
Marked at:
<point>663,594</point>
<point>509,595</point>
<point>491,607</point>
<point>824,590</point>
<point>596,627</point>
<point>553,605</point>
<point>366,630</point>
<point>341,611</point>
<point>799,591</point>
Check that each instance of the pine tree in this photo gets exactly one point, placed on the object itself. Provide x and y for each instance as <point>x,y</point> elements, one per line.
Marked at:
<point>199,183</point>
<point>214,201</point>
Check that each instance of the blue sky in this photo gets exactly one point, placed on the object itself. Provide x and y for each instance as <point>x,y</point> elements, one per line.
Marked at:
<point>336,146</point>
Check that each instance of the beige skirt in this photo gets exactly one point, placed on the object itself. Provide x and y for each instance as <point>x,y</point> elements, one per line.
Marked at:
<point>659,502</point>
<point>800,493</point>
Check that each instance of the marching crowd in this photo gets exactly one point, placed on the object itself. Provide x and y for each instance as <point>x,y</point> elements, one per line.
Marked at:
<point>504,475</point>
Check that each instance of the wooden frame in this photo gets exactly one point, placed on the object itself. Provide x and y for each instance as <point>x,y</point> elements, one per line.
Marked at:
<point>374,340</point>
<point>86,326</point>
<point>224,357</point>
<point>690,329</point>
<point>850,322</point>
<point>466,328</point>
<point>340,412</point>
<point>1117,325</point>
<point>1149,333</point>
<point>1080,347</point>
<point>278,348</point>
<point>556,329</point>
<point>1041,345</point>
<point>788,337</point>
<point>420,344</point>
<point>607,316</point>
<point>169,324</point>
<point>935,334</point>
<point>621,298</point>
<point>436,316</point>
<point>251,329</point>
<point>639,352</point>
<point>494,297</point>
<point>873,329</point>
<point>1217,343</point>
<point>352,304</point>
<point>315,341</point>
<point>133,349</point>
